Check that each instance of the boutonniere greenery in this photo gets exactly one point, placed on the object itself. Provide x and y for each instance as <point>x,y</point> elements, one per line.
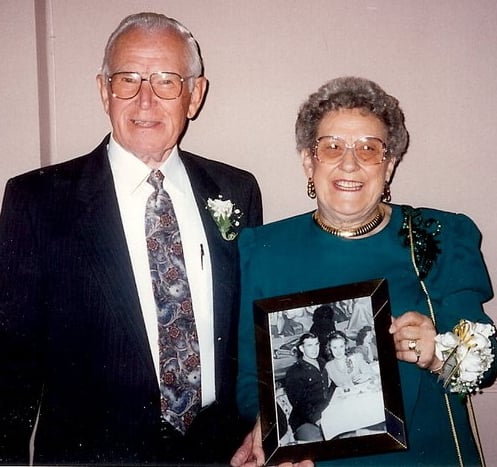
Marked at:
<point>467,355</point>
<point>225,215</point>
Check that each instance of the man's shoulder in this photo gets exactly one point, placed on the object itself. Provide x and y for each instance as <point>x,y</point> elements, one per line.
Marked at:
<point>61,171</point>
<point>48,171</point>
<point>295,369</point>
<point>213,167</point>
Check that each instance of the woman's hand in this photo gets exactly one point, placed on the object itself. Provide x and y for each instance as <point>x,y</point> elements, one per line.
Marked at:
<point>250,453</point>
<point>361,378</point>
<point>414,337</point>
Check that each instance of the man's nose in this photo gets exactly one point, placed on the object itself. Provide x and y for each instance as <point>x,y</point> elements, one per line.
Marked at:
<point>145,94</point>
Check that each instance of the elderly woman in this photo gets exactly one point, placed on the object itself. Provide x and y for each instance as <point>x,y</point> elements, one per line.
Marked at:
<point>351,136</point>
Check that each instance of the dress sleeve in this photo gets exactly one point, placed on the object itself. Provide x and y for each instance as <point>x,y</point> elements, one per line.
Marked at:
<point>459,283</point>
<point>247,383</point>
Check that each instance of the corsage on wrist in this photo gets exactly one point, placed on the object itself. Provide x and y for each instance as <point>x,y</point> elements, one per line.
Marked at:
<point>466,353</point>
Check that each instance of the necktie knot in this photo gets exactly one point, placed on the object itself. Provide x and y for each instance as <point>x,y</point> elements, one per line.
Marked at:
<point>155,179</point>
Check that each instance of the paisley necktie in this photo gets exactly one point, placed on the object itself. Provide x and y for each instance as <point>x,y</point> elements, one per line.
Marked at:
<point>179,355</point>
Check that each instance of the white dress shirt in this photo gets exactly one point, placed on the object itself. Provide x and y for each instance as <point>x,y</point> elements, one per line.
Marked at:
<point>130,179</point>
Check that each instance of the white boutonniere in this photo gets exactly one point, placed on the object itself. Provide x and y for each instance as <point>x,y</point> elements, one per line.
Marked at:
<point>225,215</point>
<point>467,355</point>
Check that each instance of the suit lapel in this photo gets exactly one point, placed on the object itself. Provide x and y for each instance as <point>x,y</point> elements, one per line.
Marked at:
<point>102,235</point>
<point>205,187</point>
<point>224,267</point>
<point>222,251</point>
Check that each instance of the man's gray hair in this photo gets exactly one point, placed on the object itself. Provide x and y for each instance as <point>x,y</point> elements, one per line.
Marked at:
<point>154,22</point>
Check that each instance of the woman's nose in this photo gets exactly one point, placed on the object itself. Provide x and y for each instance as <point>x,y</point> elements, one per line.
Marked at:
<point>349,160</point>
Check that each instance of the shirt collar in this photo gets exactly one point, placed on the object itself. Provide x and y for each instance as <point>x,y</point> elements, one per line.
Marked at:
<point>131,173</point>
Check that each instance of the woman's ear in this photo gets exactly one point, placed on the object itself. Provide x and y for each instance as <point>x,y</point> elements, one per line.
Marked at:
<point>390,169</point>
<point>307,162</point>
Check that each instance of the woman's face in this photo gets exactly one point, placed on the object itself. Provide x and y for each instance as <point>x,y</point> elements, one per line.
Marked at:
<point>337,347</point>
<point>347,192</point>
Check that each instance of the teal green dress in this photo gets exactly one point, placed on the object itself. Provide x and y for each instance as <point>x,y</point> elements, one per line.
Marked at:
<point>295,255</point>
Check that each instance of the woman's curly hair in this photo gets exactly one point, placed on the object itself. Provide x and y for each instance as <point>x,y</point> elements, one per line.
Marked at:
<point>351,92</point>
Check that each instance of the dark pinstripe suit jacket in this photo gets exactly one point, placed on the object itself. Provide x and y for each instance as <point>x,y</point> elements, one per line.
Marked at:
<point>71,330</point>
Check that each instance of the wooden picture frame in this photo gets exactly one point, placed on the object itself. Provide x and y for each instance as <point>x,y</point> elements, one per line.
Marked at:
<point>360,419</point>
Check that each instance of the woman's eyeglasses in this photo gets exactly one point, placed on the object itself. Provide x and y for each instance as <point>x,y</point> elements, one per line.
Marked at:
<point>368,150</point>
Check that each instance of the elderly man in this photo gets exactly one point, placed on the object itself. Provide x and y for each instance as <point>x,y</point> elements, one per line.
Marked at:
<point>120,285</point>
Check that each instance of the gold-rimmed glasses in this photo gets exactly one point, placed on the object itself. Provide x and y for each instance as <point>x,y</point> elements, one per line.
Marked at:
<point>165,84</point>
<point>368,150</point>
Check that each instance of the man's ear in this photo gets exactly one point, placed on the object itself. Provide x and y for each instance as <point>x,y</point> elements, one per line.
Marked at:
<point>197,96</point>
<point>104,91</point>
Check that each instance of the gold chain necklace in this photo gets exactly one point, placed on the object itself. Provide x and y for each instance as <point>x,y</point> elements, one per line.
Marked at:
<point>346,233</point>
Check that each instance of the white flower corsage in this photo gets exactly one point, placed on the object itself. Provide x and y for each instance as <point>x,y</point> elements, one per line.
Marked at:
<point>225,215</point>
<point>467,355</point>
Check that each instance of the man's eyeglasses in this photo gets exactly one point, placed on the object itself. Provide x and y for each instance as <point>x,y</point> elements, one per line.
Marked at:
<point>368,150</point>
<point>165,85</point>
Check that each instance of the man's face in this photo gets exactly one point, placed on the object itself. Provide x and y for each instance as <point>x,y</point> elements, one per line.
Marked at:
<point>147,125</point>
<point>310,348</point>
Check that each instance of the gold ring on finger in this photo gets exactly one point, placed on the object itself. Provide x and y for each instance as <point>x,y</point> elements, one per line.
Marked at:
<point>411,345</point>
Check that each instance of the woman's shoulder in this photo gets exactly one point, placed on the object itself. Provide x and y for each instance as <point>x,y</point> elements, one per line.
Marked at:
<point>433,217</point>
<point>431,232</point>
<point>276,230</point>
<point>330,364</point>
<point>435,223</point>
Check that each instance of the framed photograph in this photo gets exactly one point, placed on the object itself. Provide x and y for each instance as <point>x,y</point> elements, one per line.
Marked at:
<point>329,383</point>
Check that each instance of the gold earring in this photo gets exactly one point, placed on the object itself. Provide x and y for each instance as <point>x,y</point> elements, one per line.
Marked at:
<point>386,196</point>
<point>311,189</point>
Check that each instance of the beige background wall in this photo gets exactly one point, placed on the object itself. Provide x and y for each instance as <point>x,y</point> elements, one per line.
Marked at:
<point>263,58</point>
